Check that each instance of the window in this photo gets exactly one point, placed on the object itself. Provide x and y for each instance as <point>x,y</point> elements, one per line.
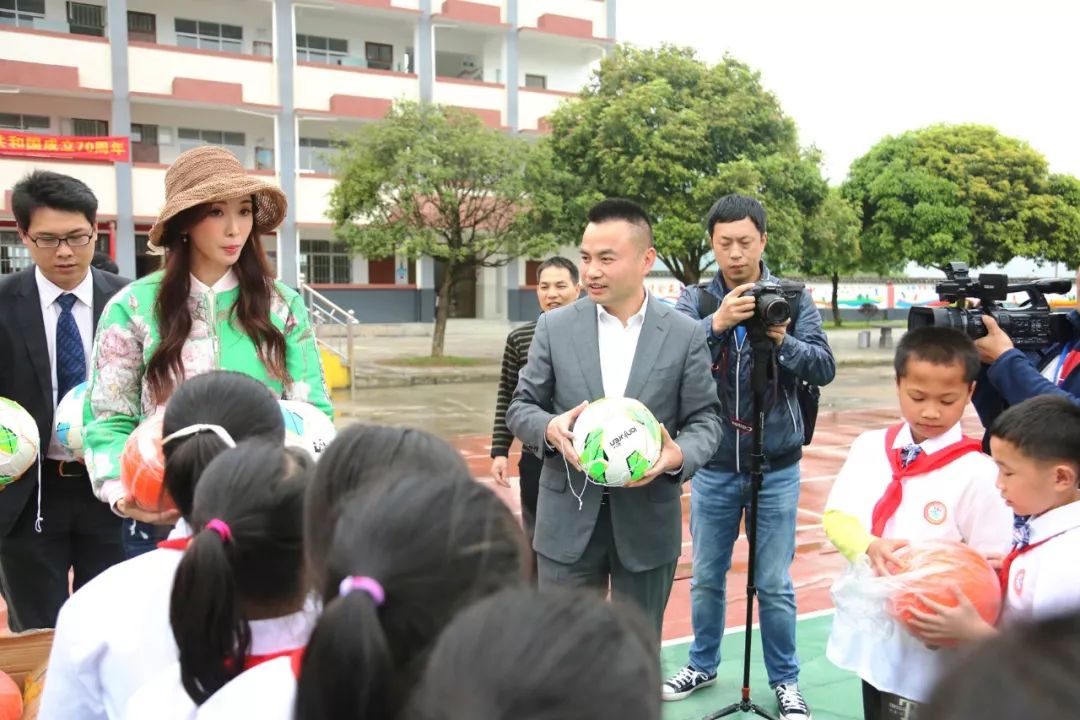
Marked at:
<point>262,48</point>
<point>234,142</point>
<point>13,254</point>
<point>11,121</point>
<point>209,35</point>
<point>142,27</point>
<point>325,261</point>
<point>89,128</point>
<point>316,154</point>
<point>536,81</point>
<point>379,56</point>
<point>314,48</point>
<point>22,13</point>
<point>86,19</point>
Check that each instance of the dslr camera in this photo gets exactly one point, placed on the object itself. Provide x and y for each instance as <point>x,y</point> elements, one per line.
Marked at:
<point>1030,325</point>
<point>774,300</point>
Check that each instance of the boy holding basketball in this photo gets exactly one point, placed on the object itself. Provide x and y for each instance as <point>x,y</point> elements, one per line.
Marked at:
<point>917,481</point>
<point>1036,446</point>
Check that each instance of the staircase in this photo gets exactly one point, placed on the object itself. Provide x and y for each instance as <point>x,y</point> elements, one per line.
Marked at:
<point>334,328</point>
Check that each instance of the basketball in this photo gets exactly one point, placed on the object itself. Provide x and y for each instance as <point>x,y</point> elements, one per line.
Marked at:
<point>618,440</point>
<point>934,570</point>
<point>142,466</point>
<point>69,420</point>
<point>11,702</point>
<point>19,441</point>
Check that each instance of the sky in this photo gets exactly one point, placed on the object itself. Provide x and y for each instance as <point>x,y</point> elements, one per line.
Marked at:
<point>850,72</point>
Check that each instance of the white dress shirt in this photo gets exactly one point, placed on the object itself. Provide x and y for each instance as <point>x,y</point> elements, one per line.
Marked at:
<point>618,345</point>
<point>83,310</point>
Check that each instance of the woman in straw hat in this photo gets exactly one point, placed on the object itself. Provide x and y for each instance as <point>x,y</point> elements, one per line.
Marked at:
<point>214,305</point>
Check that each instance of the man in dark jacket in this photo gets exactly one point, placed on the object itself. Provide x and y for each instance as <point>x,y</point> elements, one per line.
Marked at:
<point>721,490</point>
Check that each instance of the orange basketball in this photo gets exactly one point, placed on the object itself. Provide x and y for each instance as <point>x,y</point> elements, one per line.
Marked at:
<point>934,569</point>
<point>142,466</point>
<point>11,702</point>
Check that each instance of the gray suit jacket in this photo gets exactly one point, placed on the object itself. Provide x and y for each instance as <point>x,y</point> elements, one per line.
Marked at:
<point>671,375</point>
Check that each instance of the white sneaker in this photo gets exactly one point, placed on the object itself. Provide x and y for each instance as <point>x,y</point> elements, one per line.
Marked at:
<point>685,682</point>
<point>791,703</point>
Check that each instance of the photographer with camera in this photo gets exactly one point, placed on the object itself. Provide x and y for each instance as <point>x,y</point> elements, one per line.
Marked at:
<point>1010,376</point>
<point>742,302</point>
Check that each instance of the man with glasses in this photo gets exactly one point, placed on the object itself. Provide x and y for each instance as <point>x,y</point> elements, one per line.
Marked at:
<point>47,319</point>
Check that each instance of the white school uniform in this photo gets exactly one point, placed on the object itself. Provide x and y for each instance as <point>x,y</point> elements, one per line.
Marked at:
<point>163,697</point>
<point>1045,581</point>
<point>957,502</point>
<point>111,636</point>
<point>267,692</point>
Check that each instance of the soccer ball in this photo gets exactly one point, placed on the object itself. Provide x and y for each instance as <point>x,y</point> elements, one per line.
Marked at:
<point>307,427</point>
<point>142,466</point>
<point>618,440</point>
<point>69,420</point>
<point>19,441</point>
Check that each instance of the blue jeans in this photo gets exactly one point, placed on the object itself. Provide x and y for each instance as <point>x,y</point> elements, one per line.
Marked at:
<point>719,501</point>
<point>139,537</point>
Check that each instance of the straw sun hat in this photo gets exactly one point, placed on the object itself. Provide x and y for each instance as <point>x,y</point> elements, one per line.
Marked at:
<point>211,174</point>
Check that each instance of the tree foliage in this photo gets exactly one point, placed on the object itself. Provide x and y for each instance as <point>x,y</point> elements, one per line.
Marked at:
<point>832,244</point>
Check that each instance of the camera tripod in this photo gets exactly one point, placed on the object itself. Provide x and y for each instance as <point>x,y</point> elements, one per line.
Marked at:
<point>763,350</point>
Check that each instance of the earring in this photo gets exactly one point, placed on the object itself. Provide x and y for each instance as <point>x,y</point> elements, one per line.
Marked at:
<point>184,238</point>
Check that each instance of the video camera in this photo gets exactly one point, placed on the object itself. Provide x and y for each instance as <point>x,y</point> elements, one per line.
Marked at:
<point>773,302</point>
<point>1030,326</point>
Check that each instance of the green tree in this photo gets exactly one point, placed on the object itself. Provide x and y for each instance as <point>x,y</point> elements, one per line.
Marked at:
<point>832,244</point>
<point>436,181</point>
<point>661,127</point>
<point>961,192</point>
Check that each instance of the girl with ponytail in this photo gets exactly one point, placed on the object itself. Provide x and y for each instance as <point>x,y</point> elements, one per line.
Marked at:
<point>405,558</point>
<point>238,599</point>
<point>96,664</point>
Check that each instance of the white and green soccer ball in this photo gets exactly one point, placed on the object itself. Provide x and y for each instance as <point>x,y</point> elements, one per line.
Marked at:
<point>307,427</point>
<point>69,421</point>
<point>19,441</point>
<point>618,440</point>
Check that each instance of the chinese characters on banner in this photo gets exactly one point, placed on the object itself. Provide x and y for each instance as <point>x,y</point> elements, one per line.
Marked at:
<point>64,147</point>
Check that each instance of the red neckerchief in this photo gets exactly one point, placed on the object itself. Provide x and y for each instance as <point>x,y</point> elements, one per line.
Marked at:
<point>1006,564</point>
<point>924,463</point>
<point>297,660</point>
<point>180,544</point>
<point>1072,361</point>
<point>252,661</point>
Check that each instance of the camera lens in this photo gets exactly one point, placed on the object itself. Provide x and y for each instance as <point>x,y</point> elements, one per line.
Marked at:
<point>775,311</point>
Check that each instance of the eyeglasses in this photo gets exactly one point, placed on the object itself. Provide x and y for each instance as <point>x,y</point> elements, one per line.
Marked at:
<point>49,241</point>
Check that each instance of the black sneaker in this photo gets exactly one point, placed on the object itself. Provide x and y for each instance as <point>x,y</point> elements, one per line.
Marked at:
<point>791,703</point>
<point>684,682</point>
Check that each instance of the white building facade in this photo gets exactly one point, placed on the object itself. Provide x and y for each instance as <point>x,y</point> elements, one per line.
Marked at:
<point>275,81</point>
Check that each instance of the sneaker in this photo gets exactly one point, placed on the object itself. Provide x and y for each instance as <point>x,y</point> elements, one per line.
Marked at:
<point>685,682</point>
<point>791,703</point>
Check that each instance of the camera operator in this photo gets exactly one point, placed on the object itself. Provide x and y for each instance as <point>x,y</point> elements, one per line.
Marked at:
<point>1010,376</point>
<point>721,490</point>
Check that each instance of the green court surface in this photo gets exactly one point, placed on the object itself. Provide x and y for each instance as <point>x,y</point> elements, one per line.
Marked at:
<point>832,694</point>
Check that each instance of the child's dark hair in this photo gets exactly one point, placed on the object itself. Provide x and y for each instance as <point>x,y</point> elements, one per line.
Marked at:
<point>44,189</point>
<point>434,544</point>
<point>360,457</point>
<point>1044,428</point>
<point>236,402</point>
<point>533,656</point>
<point>937,346</point>
<point>257,491</point>
<point>1028,671</point>
<point>558,262</point>
<point>732,208</point>
<point>622,209</point>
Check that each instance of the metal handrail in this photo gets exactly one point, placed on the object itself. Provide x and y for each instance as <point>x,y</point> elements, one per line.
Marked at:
<point>325,312</point>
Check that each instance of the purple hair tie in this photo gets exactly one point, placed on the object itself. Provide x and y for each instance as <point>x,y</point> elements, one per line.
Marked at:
<point>369,585</point>
<point>221,528</point>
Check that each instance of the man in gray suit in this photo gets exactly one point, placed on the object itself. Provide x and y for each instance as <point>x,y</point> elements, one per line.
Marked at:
<point>617,341</point>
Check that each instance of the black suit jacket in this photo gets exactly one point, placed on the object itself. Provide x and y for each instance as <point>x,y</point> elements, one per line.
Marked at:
<point>25,375</point>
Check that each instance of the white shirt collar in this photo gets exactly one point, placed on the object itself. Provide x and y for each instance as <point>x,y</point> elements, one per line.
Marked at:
<point>930,445</point>
<point>638,317</point>
<point>1058,520</point>
<point>49,292</point>
<point>228,281</point>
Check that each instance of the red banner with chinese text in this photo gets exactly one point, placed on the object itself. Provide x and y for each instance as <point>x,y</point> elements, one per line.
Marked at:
<point>64,147</point>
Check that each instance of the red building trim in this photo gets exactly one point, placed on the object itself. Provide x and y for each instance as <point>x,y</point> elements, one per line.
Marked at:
<point>472,12</point>
<point>208,91</point>
<point>361,107</point>
<point>564,25</point>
